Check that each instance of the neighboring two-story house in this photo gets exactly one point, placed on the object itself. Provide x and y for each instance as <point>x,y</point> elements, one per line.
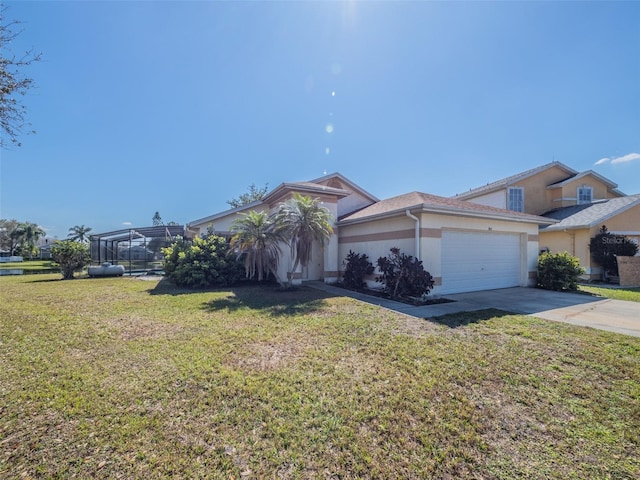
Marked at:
<point>581,202</point>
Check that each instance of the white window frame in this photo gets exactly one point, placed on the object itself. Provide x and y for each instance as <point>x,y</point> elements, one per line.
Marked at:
<point>579,200</point>
<point>521,200</point>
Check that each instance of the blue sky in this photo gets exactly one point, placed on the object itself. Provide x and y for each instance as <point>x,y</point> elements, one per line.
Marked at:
<point>177,107</point>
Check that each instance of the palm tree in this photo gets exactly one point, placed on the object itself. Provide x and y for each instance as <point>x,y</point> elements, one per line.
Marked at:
<point>29,234</point>
<point>302,220</point>
<point>79,233</point>
<point>256,237</point>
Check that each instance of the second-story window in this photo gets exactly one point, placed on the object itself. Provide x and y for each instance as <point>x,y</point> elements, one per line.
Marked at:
<point>585,195</point>
<point>515,201</point>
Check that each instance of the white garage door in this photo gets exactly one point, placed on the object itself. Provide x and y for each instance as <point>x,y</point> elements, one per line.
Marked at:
<point>480,261</point>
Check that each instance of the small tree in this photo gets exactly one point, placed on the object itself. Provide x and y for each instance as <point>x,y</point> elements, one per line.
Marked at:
<point>79,233</point>
<point>403,275</point>
<point>559,271</point>
<point>13,83</point>
<point>257,241</point>
<point>357,266</point>
<point>251,196</point>
<point>303,221</point>
<point>201,263</point>
<point>29,233</point>
<point>71,256</point>
<point>157,220</point>
<point>9,238</point>
<point>605,246</point>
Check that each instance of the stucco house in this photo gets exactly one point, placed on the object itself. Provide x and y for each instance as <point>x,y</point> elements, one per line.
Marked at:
<point>465,246</point>
<point>580,202</point>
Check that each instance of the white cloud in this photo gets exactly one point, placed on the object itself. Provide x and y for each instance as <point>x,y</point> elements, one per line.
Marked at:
<point>629,157</point>
<point>127,224</point>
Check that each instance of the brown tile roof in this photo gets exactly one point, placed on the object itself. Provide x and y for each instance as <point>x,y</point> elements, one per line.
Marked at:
<point>436,204</point>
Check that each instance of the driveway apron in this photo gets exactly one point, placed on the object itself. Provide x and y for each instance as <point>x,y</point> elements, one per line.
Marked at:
<point>577,309</point>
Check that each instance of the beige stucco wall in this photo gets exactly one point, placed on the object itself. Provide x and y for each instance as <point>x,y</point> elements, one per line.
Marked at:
<point>627,221</point>
<point>494,199</point>
<point>574,242</point>
<point>375,238</point>
<point>222,224</point>
<point>569,191</point>
<point>537,199</point>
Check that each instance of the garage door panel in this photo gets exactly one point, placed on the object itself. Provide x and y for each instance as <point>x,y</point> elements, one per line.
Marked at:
<point>480,261</point>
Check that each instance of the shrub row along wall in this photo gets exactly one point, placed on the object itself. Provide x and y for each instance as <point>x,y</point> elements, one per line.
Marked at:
<point>629,270</point>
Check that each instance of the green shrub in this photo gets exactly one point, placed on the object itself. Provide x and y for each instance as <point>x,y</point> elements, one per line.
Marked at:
<point>403,275</point>
<point>204,262</point>
<point>559,271</point>
<point>356,266</point>
<point>605,246</point>
<point>72,256</point>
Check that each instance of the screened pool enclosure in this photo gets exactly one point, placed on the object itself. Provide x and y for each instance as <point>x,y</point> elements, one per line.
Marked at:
<point>138,249</point>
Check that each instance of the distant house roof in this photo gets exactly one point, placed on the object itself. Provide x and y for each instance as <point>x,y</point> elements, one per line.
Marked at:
<point>589,215</point>
<point>436,204</point>
<point>505,182</point>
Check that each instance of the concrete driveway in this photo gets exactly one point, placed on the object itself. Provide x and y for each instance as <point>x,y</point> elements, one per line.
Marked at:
<point>578,309</point>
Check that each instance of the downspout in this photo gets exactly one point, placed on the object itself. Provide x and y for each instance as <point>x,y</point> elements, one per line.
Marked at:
<point>417,234</point>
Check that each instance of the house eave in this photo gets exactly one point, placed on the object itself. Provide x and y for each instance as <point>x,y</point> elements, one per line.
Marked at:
<point>285,188</point>
<point>422,208</point>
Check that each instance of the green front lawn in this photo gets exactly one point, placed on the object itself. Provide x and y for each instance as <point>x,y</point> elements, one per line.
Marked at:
<point>130,378</point>
<point>630,294</point>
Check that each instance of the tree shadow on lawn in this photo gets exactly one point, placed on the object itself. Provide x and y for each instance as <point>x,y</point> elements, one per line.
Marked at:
<point>461,319</point>
<point>269,298</point>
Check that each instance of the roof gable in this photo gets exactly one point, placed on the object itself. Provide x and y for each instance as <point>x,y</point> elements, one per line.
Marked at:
<point>588,173</point>
<point>513,179</point>
<point>340,181</point>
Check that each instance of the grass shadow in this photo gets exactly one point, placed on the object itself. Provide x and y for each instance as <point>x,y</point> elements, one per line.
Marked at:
<point>165,287</point>
<point>461,319</point>
<point>271,300</point>
<point>268,298</point>
<point>48,280</point>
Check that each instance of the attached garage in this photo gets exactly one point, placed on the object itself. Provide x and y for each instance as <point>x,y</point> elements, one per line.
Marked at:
<point>481,260</point>
<point>465,246</point>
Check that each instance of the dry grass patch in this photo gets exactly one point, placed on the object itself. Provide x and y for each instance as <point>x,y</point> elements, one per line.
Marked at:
<point>270,355</point>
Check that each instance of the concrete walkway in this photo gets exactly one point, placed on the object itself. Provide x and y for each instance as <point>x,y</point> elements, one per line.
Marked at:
<point>578,309</point>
